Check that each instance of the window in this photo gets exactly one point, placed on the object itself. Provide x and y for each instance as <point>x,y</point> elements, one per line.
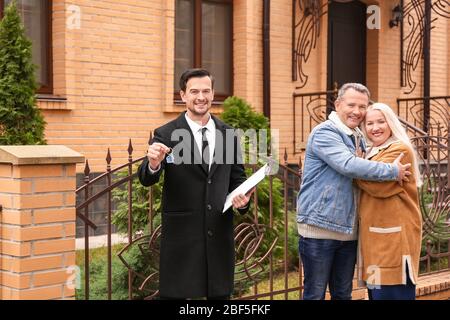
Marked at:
<point>36,16</point>
<point>204,38</point>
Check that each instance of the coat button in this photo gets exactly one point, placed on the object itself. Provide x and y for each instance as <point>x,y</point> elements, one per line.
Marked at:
<point>209,181</point>
<point>210,233</point>
<point>209,207</point>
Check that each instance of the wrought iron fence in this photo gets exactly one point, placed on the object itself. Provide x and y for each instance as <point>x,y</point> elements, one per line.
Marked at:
<point>267,264</point>
<point>428,114</point>
<point>310,109</point>
<point>262,241</point>
<point>427,121</point>
<point>433,153</point>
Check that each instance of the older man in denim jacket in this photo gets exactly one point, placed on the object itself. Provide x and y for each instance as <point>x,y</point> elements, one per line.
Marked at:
<point>326,205</point>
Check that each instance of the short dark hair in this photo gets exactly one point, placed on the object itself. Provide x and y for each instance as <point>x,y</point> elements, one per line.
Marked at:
<point>194,73</point>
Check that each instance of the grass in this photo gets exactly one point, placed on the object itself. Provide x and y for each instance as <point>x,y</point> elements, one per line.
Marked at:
<point>278,284</point>
<point>436,265</point>
<point>96,256</point>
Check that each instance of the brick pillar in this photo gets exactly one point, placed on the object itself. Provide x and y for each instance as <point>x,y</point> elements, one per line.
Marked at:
<point>37,221</point>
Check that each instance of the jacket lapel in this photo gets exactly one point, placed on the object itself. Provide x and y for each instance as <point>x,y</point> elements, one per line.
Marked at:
<point>221,143</point>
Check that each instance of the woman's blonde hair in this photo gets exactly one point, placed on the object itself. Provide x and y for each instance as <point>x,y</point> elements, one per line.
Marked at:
<point>398,132</point>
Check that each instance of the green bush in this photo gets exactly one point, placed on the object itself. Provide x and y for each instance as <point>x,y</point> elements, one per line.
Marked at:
<point>21,122</point>
<point>98,275</point>
<point>435,218</point>
<point>239,114</point>
<point>292,249</point>
<point>140,206</point>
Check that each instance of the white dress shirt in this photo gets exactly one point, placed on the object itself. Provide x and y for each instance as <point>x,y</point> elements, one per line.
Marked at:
<point>210,135</point>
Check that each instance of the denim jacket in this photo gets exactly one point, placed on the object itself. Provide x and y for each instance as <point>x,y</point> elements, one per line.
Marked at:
<point>326,198</point>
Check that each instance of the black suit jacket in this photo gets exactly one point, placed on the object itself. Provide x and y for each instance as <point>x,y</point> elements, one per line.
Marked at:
<point>197,241</point>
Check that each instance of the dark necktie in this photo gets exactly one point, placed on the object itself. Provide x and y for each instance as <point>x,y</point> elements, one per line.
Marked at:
<point>205,150</point>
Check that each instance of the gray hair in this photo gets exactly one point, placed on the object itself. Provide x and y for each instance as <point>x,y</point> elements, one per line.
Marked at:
<point>355,86</point>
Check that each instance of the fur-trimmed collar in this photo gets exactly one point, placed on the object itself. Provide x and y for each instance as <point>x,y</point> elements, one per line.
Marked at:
<point>375,150</point>
<point>333,117</point>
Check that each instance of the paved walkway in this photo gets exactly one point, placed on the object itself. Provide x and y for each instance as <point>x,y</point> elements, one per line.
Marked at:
<point>100,241</point>
<point>434,286</point>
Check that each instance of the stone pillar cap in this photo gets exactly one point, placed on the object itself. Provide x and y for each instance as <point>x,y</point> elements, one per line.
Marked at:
<point>39,154</point>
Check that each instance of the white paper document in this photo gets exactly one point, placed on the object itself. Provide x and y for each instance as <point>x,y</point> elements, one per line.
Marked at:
<point>245,187</point>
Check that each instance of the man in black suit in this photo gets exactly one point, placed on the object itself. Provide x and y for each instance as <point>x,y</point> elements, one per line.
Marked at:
<point>197,241</point>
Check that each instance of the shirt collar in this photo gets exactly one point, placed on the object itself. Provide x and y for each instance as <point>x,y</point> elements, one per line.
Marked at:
<point>375,150</point>
<point>333,117</point>
<point>195,127</point>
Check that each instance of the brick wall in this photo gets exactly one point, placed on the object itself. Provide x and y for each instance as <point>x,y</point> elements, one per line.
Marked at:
<point>440,56</point>
<point>282,86</point>
<point>116,71</point>
<point>247,42</point>
<point>37,222</point>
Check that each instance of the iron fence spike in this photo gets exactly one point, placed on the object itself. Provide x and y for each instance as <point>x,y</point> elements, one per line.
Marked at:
<point>108,158</point>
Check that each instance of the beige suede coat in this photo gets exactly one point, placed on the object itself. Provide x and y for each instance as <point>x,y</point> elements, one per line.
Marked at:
<point>390,225</point>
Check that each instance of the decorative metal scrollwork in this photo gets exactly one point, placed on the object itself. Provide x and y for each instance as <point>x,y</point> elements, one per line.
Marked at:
<point>310,109</point>
<point>441,7</point>
<point>439,115</point>
<point>414,19</point>
<point>307,15</point>
<point>306,31</point>
<point>144,279</point>
<point>434,193</point>
<point>254,243</point>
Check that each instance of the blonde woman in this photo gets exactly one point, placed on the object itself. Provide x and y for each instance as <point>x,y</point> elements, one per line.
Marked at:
<point>390,219</point>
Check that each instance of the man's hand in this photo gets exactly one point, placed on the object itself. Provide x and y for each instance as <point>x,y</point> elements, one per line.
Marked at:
<point>403,169</point>
<point>156,154</point>
<point>359,152</point>
<point>241,200</point>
